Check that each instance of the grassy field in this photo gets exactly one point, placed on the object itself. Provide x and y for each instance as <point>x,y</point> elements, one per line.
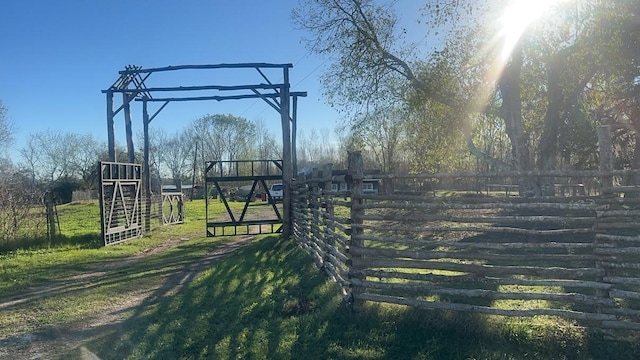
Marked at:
<point>179,295</point>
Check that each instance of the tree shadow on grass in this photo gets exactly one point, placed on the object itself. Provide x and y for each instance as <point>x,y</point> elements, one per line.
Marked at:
<point>267,300</point>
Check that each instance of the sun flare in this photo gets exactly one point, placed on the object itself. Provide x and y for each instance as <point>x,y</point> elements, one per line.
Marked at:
<point>511,23</point>
<point>517,16</point>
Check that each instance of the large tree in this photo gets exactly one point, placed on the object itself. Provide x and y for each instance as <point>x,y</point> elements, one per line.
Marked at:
<point>614,95</point>
<point>495,59</point>
<point>223,136</point>
<point>266,146</point>
<point>49,154</point>
<point>382,132</point>
<point>177,155</point>
<point>314,147</point>
<point>84,161</point>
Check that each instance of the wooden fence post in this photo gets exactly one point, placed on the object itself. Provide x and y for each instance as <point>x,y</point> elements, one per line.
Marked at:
<point>314,202</point>
<point>329,227</point>
<point>146,173</point>
<point>355,174</point>
<point>605,148</point>
<point>51,217</point>
<point>295,206</point>
<point>308,221</point>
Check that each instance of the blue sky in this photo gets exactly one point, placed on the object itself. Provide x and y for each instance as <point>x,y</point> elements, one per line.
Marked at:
<point>57,56</point>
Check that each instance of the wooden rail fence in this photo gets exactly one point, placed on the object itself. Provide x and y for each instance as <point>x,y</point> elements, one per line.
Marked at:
<point>573,255</point>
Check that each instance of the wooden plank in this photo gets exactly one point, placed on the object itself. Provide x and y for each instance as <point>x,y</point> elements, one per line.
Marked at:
<point>624,294</point>
<point>622,280</point>
<point>333,250</point>
<point>337,263</point>
<point>111,137</point>
<point>507,174</point>
<point>617,225</point>
<point>435,278</point>
<point>423,244</point>
<point>407,228</point>
<point>621,312</point>
<point>218,97</point>
<point>619,265</point>
<point>570,314</point>
<point>317,259</point>
<point>605,152</point>
<point>620,189</point>
<point>126,99</point>
<point>618,213</point>
<point>479,219</point>
<point>204,67</point>
<point>461,255</point>
<point>429,197</point>
<point>624,325</point>
<point>337,274</point>
<point>620,238</point>
<point>134,91</point>
<point>147,170</point>
<point>294,136</point>
<point>355,174</point>
<point>484,270</point>
<point>437,205</point>
<point>617,251</point>
<point>341,239</point>
<point>485,294</point>
<point>287,165</point>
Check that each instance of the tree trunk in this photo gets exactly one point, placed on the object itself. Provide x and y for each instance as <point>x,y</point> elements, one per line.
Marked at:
<point>177,181</point>
<point>548,146</point>
<point>511,112</point>
<point>494,163</point>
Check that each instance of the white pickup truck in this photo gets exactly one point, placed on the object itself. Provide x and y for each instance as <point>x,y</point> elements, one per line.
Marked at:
<point>276,192</point>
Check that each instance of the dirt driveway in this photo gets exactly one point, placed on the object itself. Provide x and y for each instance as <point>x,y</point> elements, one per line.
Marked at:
<point>29,339</point>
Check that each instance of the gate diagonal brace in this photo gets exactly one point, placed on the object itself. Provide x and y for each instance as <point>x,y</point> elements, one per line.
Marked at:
<point>257,172</point>
<point>120,201</point>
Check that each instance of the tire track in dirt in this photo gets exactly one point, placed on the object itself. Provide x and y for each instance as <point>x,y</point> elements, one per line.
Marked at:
<point>77,282</point>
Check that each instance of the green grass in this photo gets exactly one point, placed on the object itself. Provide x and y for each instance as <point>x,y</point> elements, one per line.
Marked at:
<point>79,218</point>
<point>268,301</point>
<point>265,301</point>
<point>79,248</point>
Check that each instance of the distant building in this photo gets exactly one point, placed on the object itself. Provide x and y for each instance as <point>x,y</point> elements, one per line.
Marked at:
<point>369,186</point>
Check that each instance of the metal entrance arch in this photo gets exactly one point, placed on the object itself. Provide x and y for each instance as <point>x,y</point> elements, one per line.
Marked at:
<point>133,84</point>
<point>258,215</point>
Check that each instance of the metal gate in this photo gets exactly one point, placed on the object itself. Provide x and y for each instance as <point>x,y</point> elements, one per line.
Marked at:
<point>172,208</point>
<point>120,201</point>
<point>257,216</point>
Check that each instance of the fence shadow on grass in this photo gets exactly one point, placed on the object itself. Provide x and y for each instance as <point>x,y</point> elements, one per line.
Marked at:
<point>267,300</point>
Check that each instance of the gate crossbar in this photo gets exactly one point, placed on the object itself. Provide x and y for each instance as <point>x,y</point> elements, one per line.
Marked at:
<point>234,172</point>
